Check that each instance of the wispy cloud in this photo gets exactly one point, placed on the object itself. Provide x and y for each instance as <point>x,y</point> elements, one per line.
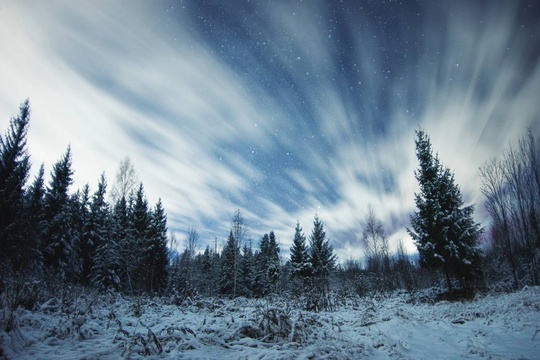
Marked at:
<point>282,110</point>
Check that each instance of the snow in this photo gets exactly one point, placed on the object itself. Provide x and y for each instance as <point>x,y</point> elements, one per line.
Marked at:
<point>91,326</point>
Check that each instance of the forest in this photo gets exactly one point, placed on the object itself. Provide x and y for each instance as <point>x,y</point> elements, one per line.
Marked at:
<point>56,240</point>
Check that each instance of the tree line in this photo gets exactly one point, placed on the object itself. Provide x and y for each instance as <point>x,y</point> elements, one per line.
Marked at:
<point>81,238</point>
<point>122,244</point>
<point>76,237</point>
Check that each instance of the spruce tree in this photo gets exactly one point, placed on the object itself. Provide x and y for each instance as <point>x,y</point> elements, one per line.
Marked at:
<point>272,259</point>
<point>247,271</point>
<point>299,258</point>
<point>100,265</point>
<point>261,285</point>
<point>323,262</point>
<point>140,248</point>
<point>14,168</point>
<point>57,245</point>
<point>34,215</point>
<point>267,265</point>
<point>231,255</point>
<point>208,271</point>
<point>86,245</point>
<point>77,213</point>
<point>443,229</point>
<point>157,253</point>
<point>321,255</point>
<point>122,234</point>
<point>229,266</point>
<point>106,267</point>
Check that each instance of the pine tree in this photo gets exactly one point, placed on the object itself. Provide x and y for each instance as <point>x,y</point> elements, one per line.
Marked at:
<point>231,256</point>
<point>140,248</point>
<point>229,266</point>
<point>77,214</point>
<point>211,266</point>
<point>86,245</point>
<point>58,250</point>
<point>208,271</point>
<point>34,215</point>
<point>322,261</point>
<point>157,253</point>
<point>100,256</point>
<point>443,229</point>
<point>106,267</point>
<point>14,168</point>
<point>122,234</point>
<point>299,258</point>
<point>321,255</point>
<point>261,285</point>
<point>267,265</point>
<point>247,271</point>
<point>273,262</point>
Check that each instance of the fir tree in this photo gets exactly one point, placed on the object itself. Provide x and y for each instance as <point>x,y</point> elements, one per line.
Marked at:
<point>207,269</point>
<point>34,215</point>
<point>211,269</point>
<point>443,229</point>
<point>247,271</point>
<point>122,234</point>
<point>141,246</point>
<point>58,250</point>
<point>262,284</point>
<point>267,265</point>
<point>105,267</point>
<point>77,213</point>
<point>299,258</point>
<point>323,262</point>
<point>272,262</point>
<point>231,256</point>
<point>321,255</point>
<point>86,245</point>
<point>100,265</point>
<point>14,168</point>
<point>229,266</point>
<point>157,253</point>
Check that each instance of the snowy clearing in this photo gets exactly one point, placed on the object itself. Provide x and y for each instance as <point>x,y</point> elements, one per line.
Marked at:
<point>503,326</point>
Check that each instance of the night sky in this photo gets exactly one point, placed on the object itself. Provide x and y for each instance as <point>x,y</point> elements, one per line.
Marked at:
<point>282,109</point>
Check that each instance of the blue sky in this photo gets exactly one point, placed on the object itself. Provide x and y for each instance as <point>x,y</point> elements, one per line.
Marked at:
<point>282,109</point>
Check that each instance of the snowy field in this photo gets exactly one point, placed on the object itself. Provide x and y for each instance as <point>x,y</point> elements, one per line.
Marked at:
<point>504,326</point>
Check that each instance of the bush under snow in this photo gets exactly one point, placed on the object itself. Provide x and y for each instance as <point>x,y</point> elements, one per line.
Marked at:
<point>95,326</point>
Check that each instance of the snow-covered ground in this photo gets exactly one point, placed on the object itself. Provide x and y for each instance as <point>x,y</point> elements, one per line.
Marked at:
<point>503,326</point>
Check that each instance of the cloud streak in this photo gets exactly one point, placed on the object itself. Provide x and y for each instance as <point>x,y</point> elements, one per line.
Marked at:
<point>283,110</point>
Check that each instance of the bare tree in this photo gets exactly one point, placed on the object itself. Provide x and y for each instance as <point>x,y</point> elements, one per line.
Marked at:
<point>375,243</point>
<point>126,181</point>
<point>498,205</point>
<point>404,268</point>
<point>511,185</point>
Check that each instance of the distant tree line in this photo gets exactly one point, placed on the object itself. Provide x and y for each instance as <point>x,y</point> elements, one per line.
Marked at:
<point>121,245</point>
<point>241,269</point>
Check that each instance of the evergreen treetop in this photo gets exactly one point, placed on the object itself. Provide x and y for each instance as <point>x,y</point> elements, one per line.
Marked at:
<point>14,169</point>
<point>299,255</point>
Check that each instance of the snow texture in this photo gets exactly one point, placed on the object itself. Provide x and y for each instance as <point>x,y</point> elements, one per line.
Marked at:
<point>502,326</point>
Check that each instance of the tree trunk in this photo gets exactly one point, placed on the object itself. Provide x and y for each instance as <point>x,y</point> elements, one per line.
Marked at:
<point>448,280</point>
